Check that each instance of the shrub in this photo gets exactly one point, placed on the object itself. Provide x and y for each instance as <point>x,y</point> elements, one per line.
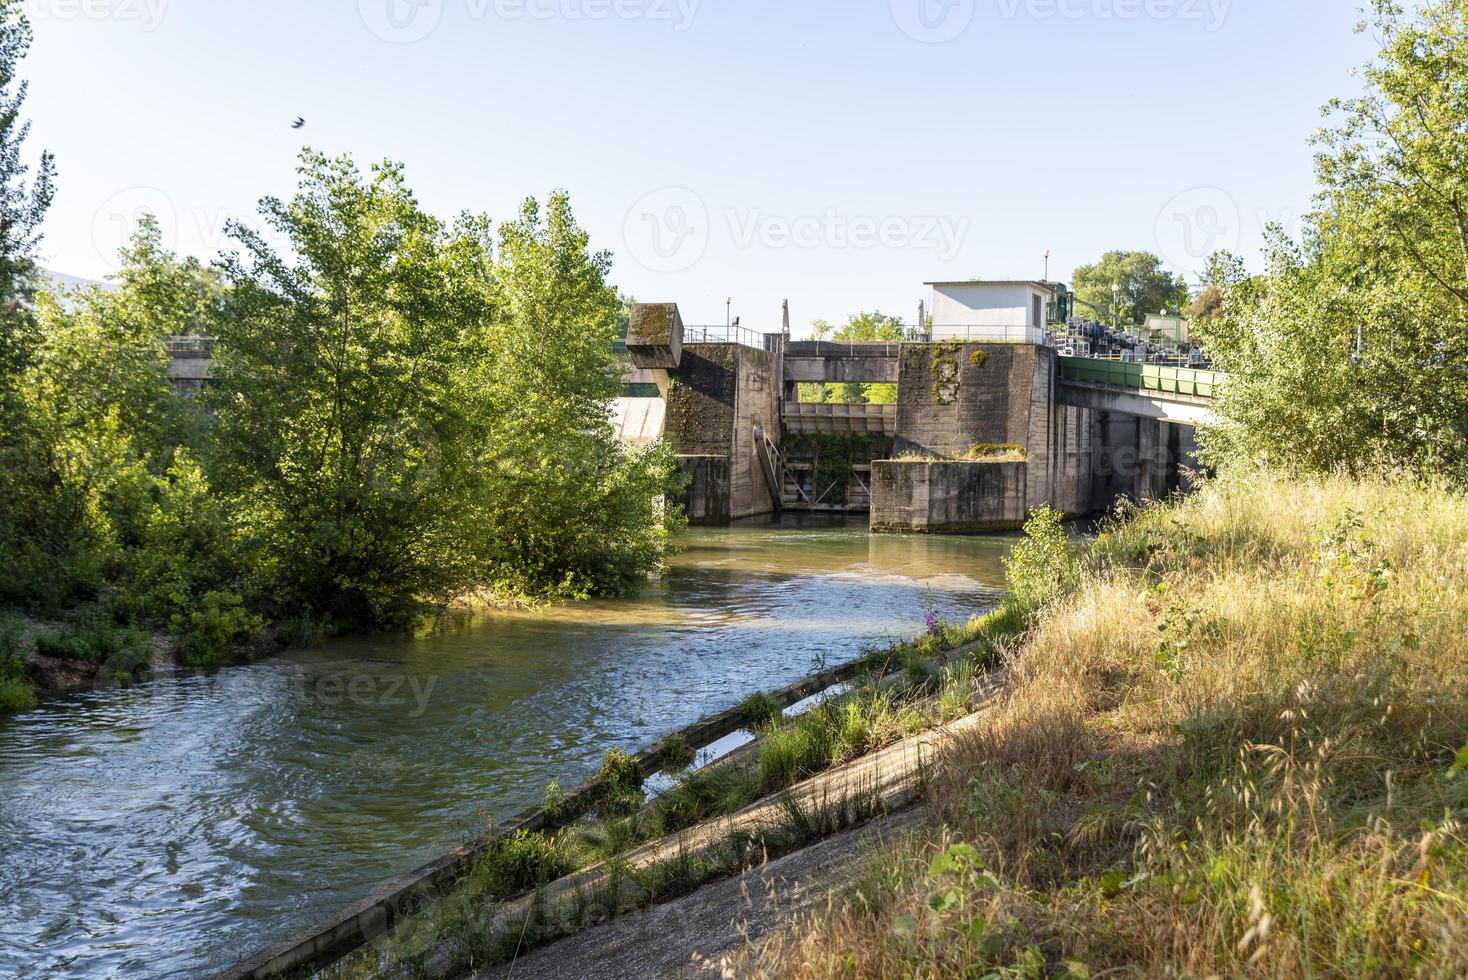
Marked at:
<point>212,631</point>
<point>1043,565</point>
<point>621,781</point>
<point>520,862</point>
<point>760,710</point>
<point>95,639</point>
<point>16,692</point>
<point>677,753</point>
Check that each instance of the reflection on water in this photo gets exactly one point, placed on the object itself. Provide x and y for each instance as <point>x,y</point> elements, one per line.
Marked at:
<point>170,828</point>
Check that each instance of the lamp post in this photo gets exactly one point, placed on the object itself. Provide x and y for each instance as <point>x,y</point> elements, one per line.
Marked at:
<point>728,310</point>
<point>1116,305</point>
<point>1047,265</point>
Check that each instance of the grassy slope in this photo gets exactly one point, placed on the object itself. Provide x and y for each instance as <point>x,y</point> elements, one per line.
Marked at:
<point>1227,750</point>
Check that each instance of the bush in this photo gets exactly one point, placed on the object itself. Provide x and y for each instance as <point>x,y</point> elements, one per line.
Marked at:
<point>677,753</point>
<point>519,863</point>
<point>16,692</point>
<point>96,640</point>
<point>760,710</point>
<point>210,633</point>
<point>621,781</point>
<point>1042,566</point>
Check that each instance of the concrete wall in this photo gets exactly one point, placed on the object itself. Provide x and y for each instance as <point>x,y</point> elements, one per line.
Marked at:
<point>947,497</point>
<point>707,498</point>
<point>716,397</point>
<point>980,393</point>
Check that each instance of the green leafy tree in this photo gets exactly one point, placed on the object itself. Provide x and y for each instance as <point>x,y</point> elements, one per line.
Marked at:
<point>571,512</point>
<point>1351,350</point>
<point>1146,287</point>
<point>345,436</point>
<point>872,326</point>
<point>27,485</point>
<point>107,462</point>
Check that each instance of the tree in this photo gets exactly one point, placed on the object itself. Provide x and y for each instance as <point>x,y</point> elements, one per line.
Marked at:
<point>1351,350</point>
<point>1146,287</point>
<point>106,448</point>
<point>570,511</point>
<point>401,419</point>
<point>872,326</point>
<point>1223,269</point>
<point>344,435</point>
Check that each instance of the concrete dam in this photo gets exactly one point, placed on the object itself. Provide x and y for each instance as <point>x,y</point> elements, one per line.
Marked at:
<point>983,430</point>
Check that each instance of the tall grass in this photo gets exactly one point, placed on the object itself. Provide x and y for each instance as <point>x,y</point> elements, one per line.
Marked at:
<point>1227,748</point>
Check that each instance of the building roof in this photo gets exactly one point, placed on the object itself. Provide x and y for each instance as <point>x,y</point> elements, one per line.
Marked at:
<point>1043,287</point>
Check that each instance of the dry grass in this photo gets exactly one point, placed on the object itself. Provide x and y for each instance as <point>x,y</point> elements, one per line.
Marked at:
<point>1226,751</point>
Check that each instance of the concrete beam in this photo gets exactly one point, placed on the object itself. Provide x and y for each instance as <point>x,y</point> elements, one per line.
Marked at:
<point>655,335</point>
<point>1160,405</point>
<point>833,362</point>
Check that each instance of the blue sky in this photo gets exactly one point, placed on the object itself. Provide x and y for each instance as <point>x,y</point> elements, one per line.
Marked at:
<point>835,154</point>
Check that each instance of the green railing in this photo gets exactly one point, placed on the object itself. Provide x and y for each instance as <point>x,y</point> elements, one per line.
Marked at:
<point>1146,377</point>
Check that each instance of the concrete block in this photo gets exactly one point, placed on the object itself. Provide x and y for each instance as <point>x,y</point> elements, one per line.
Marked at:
<point>655,335</point>
<point>947,496</point>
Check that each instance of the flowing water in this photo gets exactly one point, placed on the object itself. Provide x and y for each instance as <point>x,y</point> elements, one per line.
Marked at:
<point>171,828</point>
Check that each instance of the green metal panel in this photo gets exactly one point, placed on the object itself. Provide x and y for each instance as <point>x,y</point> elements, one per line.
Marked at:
<point>1144,377</point>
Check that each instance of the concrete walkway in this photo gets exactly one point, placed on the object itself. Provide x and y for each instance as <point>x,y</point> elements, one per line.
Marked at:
<point>886,781</point>
<point>686,937</point>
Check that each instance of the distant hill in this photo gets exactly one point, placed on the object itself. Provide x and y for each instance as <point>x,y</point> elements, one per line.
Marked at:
<point>65,282</point>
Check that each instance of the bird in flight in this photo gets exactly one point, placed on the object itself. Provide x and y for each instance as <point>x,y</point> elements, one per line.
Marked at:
<point>300,123</point>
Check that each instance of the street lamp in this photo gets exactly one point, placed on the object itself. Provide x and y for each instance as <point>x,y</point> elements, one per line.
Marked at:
<point>1047,266</point>
<point>1116,305</point>
<point>728,310</point>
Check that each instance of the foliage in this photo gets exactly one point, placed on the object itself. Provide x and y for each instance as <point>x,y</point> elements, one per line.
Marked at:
<point>677,754</point>
<point>1351,349</point>
<point>1042,566</point>
<point>620,778</point>
<point>858,327</point>
<point>1146,287</point>
<point>343,439</point>
<point>95,639</point>
<point>107,490</point>
<point>16,692</point>
<point>760,710</point>
<point>209,633</point>
<point>1183,774</point>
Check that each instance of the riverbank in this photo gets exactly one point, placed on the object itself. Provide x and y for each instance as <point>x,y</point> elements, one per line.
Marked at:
<point>41,657</point>
<point>1232,744</point>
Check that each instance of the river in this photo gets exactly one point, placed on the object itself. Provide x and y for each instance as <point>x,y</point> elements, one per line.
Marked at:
<point>171,828</point>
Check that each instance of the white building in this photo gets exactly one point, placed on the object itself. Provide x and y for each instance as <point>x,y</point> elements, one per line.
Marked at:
<point>1011,311</point>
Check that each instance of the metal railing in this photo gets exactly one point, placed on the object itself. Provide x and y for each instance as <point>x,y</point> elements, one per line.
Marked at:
<point>992,333</point>
<point>1146,377</point>
<point>717,334</point>
<point>189,345</point>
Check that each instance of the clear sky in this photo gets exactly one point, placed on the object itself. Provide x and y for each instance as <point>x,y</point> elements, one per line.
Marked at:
<point>837,154</point>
